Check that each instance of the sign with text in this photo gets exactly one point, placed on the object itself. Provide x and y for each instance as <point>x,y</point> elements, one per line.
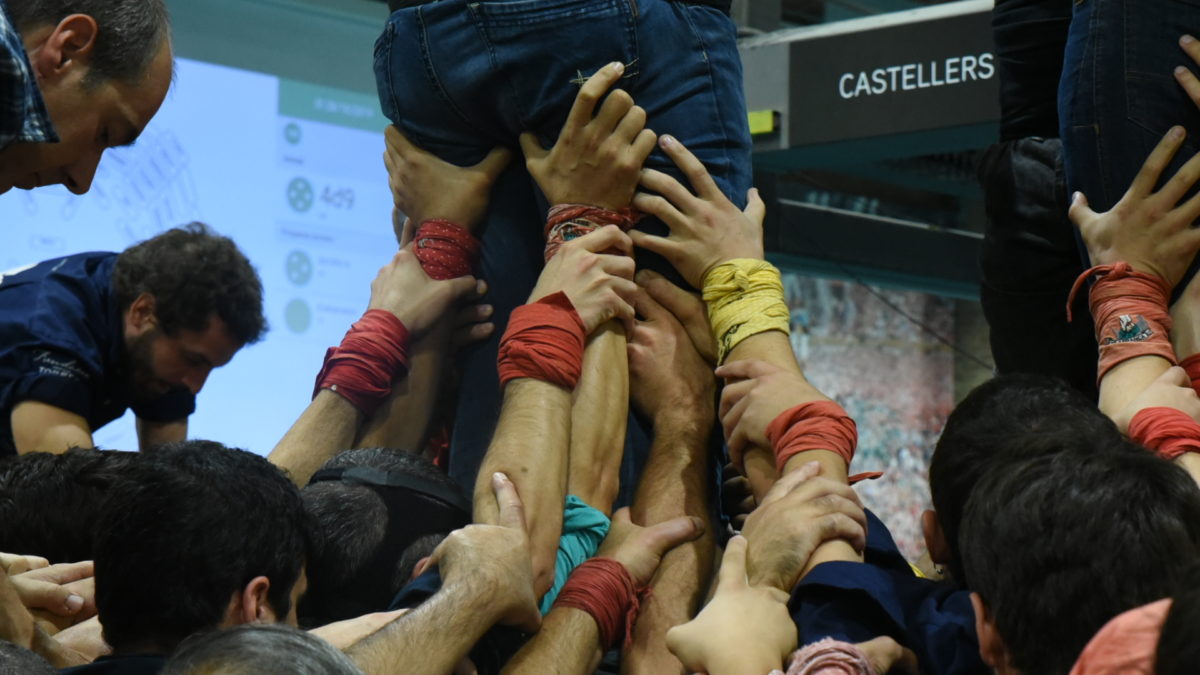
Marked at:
<point>908,75</point>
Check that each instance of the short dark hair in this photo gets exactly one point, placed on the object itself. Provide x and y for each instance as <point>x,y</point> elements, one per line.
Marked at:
<point>197,522</point>
<point>129,32</point>
<point>256,649</point>
<point>990,426</point>
<point>353,521</point>
<point>49,503</point>
<point>193,273</point>
<point>1178,650</point>
<point>1058,545</point>
<point>16,660</point>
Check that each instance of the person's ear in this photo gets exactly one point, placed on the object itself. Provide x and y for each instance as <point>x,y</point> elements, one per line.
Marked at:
<point>935,538</point>
<point>141,316</point>
<point>255,606</point>
<point>67,46</point>
<point>991,643</point>
<point>420,567</point>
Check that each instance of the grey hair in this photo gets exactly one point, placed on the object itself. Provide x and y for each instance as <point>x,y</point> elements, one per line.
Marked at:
<point>129,32</point>
<point>259,649</point>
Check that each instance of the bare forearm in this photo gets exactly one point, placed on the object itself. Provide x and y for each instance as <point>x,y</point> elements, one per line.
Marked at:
<point>1125,381</point>
<point>432,638</point>
<point>530,447</point>
<point>326,427</point>
<point>569,642</point>
<point>402,422</point>
<point>674,483</point>
<point>599,413</point>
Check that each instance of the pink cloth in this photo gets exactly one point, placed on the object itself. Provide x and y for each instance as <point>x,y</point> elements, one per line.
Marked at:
<point>1127,644</point>
<point>829,657</point>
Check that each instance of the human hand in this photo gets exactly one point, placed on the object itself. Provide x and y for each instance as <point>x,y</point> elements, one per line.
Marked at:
<point>687,308</point>
<point>1149,230</point>
<point>85,639</point>
<point>599,284</point>
<point>63,594</point>
<point>756,392</point>
<point>1172,389</point>
<point>737,497</point>
<point>745,628</point>
<point>473,322</point>
<point>403,288</point>
<point>886,655</point>
<point>424,187</point>
<point>597,160</point>
<point>706,228</point>
<point>668,378</point>
<point>496,558</point>
<point>798,514</point>
<point>640,549</point>
<point>13,563</point>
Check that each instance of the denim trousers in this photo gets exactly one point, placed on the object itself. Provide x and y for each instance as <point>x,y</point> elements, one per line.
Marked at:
<point>460,77</point>
<point>1118,97</point>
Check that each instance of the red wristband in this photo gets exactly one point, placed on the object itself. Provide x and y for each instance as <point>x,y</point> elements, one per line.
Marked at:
<point>571,221</point>
<point>1167,431</point>
<point>544,341</point>
<point>372,355</point>
<point>818,425</point>
<point>1192,365</point>
<point>603,588</point>
<point>1130,312</point>
<point>445,250</point>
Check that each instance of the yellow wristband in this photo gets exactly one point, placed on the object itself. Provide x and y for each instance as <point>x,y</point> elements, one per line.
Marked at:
<point>744,298</point>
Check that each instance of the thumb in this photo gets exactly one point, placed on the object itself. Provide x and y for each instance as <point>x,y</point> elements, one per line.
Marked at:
<point>756,210</point>
<point>732,574</point>
<point>397,141</point>
<point>512,511</point>
<point>495,162</point>
<point>1080,213</point>
<point>667,535</point>
<point>48,596</point>
<point>531,147</point>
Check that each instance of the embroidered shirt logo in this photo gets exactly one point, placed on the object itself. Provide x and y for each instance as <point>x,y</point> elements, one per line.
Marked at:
<point>1131,328</point>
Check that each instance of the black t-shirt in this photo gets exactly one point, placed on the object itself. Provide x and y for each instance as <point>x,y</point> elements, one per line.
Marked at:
<point>62,343</point>
<point>1031,37</point>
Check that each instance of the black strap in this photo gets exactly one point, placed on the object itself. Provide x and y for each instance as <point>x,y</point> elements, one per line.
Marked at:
<point>364,475</point>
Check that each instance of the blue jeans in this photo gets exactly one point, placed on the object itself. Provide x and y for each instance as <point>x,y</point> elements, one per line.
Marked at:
<point>1118,97</point>
<point>460,78</point>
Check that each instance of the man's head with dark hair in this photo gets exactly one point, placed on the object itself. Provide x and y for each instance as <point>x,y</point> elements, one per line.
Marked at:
<point>189,299</point>
<point>1055,546</point>
<point>992,425</point>
<point>205,536</point>
<point>49,503</point>
<point>373,536</point>
<point>103,68</point>
<point>259,650</point>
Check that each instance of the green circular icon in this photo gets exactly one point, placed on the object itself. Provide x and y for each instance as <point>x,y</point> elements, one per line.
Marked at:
<point>299,268</point>
<point>300,195</point>
<point>298,316</point>
<point>292,133</point>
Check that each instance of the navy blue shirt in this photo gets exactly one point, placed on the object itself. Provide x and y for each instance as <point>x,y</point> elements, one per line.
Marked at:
<point>62,343</point>
<point>856,602</point>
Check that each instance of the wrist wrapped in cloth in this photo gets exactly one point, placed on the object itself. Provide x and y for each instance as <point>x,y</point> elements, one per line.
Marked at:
<point>1167,431</point>
<point>1192,365</point>
<point>1130,312</point>
<point>744,298</point>
<point>544,341</point>
<point>571,221</point>
<point>445,250</point>
<point>372,355</point>
<point>603,588</point>
<point>818,425</point>
<point>829,657</point>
